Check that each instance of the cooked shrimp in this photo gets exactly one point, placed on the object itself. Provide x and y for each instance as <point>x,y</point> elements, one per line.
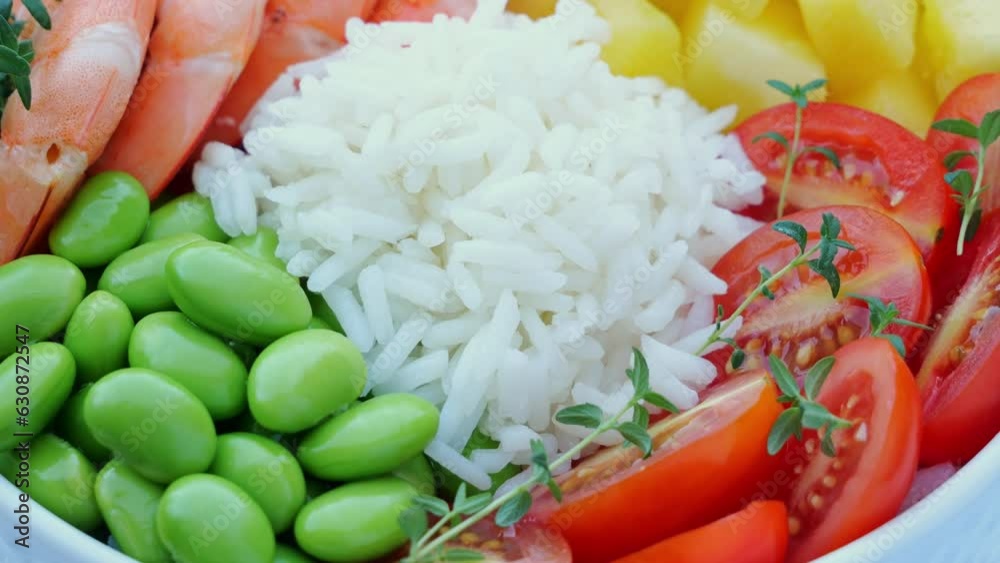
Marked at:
<point>294,31</point>
<point>197,51</point>
<point>82,76</point>
<point>421,10</point>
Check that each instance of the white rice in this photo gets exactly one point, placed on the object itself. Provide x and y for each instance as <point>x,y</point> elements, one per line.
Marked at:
<point>495,218</point>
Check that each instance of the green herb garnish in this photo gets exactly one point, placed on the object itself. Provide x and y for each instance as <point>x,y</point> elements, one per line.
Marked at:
<point>16,55</point>
<point>882,316</point>
<point>427,544</point>
<point>827,247</point>
<point>968,190</point>
<point>803,411</point>
<point>799,95</point>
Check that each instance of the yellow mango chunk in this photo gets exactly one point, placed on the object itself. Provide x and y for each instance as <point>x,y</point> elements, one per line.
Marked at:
<point>963,40</point>
<point>674,8</point>
<point>728,60</point>
<point>901,96</point>
<point>743,8</point>
<point>861,40</point>
<point>537,9</point>
<point>644,40</point>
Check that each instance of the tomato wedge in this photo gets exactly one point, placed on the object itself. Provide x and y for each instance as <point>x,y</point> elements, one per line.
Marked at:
<point>959,378</point>
<point>524,543</point>
<point>972,100</point>
<point>756,534</point>
<point>834,501</point>
<point>884,167</point>
<point>805,322</point>
<point>705,461</point>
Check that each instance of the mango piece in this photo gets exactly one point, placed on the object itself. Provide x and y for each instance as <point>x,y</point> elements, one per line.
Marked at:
<point>748,9</point>
<point>963,39</point>
<point>861,41</point>
<point>536,9</point>
<point>728,60</point>
<point>901,96</point>
<point>644,40</point>
<point>674,8</point>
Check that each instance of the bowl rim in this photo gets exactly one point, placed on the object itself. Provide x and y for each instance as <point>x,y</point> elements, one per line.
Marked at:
<point>917,522</point>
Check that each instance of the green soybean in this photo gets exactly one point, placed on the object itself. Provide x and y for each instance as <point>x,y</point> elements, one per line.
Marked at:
<point>323,312</point>
<point>355,522</point>
<point>61,479</point>
<point>167,342</point>
<point>137,277</point>
<point>34,384</point>
<point>261,245</point>
<point>303,378</point>
<point>128,503</point>
<point>285,554</point>
<point>235,295</point>
<point>207,519</point>
<point>156,425</point>
<point>371,439</point>
<point>71,427</point>
<point>37,294</point>
<point>98,335</point>
<point>417,472</point>
<point>265,470</point>
<point>188,213</point>
<point>106,218</point>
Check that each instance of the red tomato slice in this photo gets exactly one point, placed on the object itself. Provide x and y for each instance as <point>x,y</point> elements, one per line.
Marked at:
<point>959,378</point>
<point>421,10</point>
<point>885,167</point>
<point>705,461</point>
<point>524,543</point>
<point>972,100</point>
<point>756,534</point>
<point>834,501</point>
<point>805,322</point>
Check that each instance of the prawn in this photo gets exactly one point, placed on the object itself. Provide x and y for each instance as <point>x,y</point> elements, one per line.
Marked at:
<point>82,75</point>
<point>197,51</point>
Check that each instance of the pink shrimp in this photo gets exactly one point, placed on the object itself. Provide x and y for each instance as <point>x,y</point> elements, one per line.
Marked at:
<point>83,73</point>
<point>294,31</point>
<point>196,53</point>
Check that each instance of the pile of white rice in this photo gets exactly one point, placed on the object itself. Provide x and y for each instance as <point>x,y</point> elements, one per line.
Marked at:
<point>495,219</point>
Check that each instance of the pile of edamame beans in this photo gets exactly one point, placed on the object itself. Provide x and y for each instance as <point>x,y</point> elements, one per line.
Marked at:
<point>185,394</point>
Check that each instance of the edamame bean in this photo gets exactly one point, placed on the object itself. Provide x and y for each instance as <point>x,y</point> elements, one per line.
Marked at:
<point>417,472</point>
<point>137,277</point>
<point>371,439</point>
<point>323,312</point>
<point>38,293</point>
<point>355,522</point>
<point>71,427</point>
<point>265,470</point>
<point>128,503</point>
<point>170,344</point>
<point>106,218</point>
<point>34,384</point>
<point>207,519</point>
<point>304,377</point>
<point>98,335</point>
<point>232,294</point>
<point>188,213</point>
<point>285,554</point>
<point>261,245</point>
<point>156,425</point>
<point>61,479</point>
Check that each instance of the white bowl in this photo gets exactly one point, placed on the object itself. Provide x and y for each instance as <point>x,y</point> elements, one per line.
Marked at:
<point>957,523</point>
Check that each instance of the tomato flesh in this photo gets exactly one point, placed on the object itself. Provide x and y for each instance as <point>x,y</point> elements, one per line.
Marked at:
<point>834,501</point>
<point>756,534</point>
<point>959,378</point>
<point>805,322</point>
<point>705,461</point>
<point>884,167</point>
<point>971,101</point>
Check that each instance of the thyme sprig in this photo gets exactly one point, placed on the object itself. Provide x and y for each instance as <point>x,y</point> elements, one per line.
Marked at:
<point>881,316</point>
<point>799,94</point>
<point>428,544</point>
<point>967,189</point>
<point>804,412</point>
<point>15,54</point>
